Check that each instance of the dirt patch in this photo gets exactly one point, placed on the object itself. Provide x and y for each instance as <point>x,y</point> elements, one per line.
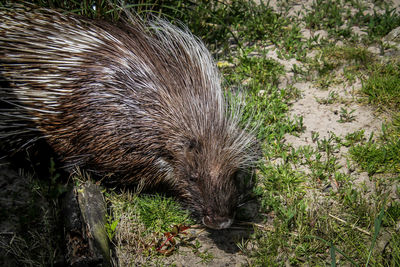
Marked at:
<point>14,192</point>
<point>326,118</point>
<point>218,248</point>
<point>28,224</point>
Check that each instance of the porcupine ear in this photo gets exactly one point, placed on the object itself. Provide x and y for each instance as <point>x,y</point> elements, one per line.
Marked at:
<point>173,145</point>
<point>192,144</point>
<point>186,148</point>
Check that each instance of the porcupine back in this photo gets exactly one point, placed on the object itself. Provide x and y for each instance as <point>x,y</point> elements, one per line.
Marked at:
<point>141,101</point>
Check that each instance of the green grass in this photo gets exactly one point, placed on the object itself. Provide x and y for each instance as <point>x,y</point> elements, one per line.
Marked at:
<point>337,17</point>
<point>383,91</point>
<point>383,85</point>
<point>325,15</point>
<point>330,59</point>
<point>304,228</point>
<point>378,24</point>
<point>159,213</point>
<point>381,155</point>
<point>137,224</point>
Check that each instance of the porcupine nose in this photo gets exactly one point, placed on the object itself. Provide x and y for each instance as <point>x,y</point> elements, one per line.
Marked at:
<point>217,222</point>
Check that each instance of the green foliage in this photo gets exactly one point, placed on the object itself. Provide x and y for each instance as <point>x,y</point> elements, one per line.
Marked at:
<point>381,155</point>
<point>395,253</point>
<point>392,214</point>
<point>324,14</point>
<point>383,85</point>
<point>159,213</point>
<point>352,138</point>
<point>378,157</point>
<point>111,226</point>
<point>205,256</point>
<point>346,116</point>
<point>265,104</point>
<point>377,228</point>
<point>378,24</point>
<point>138,224</point>
<point>333,57</point>
<point>337,17</point>
<point>354,61</point>
<point>256,70</point>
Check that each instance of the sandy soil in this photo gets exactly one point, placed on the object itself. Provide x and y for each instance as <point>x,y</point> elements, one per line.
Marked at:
<point>220,244</point>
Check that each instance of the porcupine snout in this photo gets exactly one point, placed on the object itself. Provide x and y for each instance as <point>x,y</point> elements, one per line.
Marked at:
<point>217,222</point>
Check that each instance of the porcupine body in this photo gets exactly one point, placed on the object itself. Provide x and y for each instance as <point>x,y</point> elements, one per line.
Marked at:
<point>142,101</point>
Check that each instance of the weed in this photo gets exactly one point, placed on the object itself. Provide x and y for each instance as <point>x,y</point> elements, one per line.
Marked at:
<point>377,227</point>
<point>291,44</point>
<point>353,138</point>
<point>205,256</point>
<point>346,116</point>
<point>260,70</point>
<point>378,157</point>
<point>333,57</point>
<point>383,85</point>
<point>378,24</point>
<point>111,227</point>
<point>159,213</point>
<point>324,15</point>
<point>332,97</point>
<point>138,224</point>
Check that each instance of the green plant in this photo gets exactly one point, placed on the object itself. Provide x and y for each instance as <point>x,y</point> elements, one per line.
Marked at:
<point>352,138</point>
<point>332,97</point>
<point>379,23</point>
<point>111,226</point>
<point>346,116</point>
<point>383,85</point>
<point>381,155</point>
<point>205,256</point>
<point>378,157</point>
<point>159,213</point>
<point>324,15</point>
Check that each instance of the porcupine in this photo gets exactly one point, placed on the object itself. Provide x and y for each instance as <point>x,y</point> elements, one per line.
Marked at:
<point>142,101</point>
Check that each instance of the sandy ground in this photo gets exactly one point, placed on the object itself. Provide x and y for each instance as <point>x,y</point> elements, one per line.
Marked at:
<point>220,244</point>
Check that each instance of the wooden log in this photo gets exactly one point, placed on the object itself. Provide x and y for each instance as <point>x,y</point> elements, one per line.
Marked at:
<point>84,220</point>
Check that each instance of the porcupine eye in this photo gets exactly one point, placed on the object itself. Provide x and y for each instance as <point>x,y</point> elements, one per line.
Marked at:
<point>192,144</point>
<point>243,180</point>
<point>193,178</point>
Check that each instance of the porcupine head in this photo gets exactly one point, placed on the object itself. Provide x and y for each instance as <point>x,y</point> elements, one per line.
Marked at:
<point>209,154</point>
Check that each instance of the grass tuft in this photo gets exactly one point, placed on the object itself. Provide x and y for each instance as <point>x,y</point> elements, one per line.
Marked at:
<point>383,85</point>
